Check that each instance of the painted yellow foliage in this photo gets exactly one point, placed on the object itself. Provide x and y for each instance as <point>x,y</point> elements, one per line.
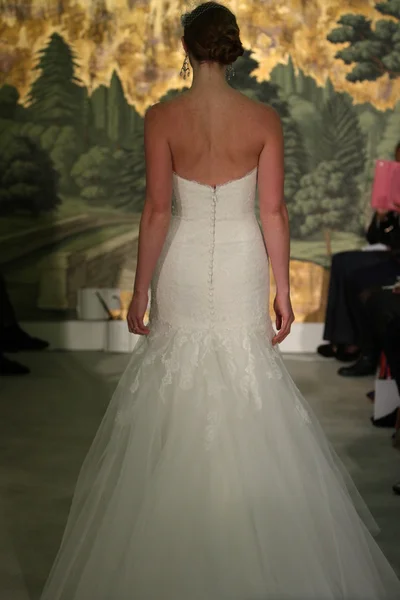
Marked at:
<point>309,290</point>
<point>141,39</point>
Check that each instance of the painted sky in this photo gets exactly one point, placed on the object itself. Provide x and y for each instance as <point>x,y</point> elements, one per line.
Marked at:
<point>141,39</point>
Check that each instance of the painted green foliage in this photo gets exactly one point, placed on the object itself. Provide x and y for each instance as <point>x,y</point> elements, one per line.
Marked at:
<point>94,140</point>
<point>28,181</point>
<point>55,96</point>
<point>337,133</point>
<point>322,201</point>
<point>372,50</point>
<point>100,133</point>
<point>329,129</point>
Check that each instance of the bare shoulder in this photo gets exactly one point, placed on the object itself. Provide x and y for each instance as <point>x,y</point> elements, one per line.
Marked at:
<point>266,116</point>
<point>269,117</point>
<point>163,112</point>
<point>155,114</point>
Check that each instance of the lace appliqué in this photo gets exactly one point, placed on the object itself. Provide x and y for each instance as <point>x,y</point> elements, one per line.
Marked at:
<point>214,359</point>
<point>213,419</point>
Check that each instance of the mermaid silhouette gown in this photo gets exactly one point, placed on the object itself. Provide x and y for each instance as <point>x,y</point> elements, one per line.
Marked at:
<point>210,478</point>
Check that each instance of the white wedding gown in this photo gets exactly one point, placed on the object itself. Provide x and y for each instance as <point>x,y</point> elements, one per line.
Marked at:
<point>210,478</point>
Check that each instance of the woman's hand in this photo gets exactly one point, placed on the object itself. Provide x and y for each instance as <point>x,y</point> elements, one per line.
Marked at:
<point>284,317</point>
<point>136,312</point>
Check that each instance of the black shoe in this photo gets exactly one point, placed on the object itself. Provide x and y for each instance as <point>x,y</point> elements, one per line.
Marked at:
<point>388,420</point>
<point>396,488</point>
<point>346,357</point>
<point>371,395</point>
<point>326,350</point>
<point>365,366</point>
<point>11,367</point>
<point>15,339</point>
<point>329,351</point>
<point>396,438</point>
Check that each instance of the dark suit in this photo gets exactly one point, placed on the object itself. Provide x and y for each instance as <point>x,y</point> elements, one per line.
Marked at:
<point>354,271</point>
<point>7,315</point>
<point>382,308</point>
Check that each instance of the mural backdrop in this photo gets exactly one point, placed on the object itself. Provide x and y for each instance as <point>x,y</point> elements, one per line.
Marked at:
<point>76,79</point>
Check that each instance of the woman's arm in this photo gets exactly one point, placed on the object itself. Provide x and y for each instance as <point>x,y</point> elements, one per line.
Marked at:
<point>156,213</point>
<point>374,235</point>
<point>274,218</point>
<point>384,229</point>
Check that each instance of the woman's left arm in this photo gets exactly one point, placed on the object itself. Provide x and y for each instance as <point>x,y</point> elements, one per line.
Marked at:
<point>156,213</point>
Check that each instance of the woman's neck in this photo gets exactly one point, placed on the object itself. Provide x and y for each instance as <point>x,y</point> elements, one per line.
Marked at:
<point>209,76</point>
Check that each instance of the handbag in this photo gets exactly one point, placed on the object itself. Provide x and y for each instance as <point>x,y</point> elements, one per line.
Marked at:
<point>387,397</point>
<point>385,230</point>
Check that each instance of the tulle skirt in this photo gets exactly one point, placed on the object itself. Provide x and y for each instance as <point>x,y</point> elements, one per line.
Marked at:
<point>210,479</point>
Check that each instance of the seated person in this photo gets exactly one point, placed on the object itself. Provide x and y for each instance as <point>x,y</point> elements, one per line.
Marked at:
<point>12,337</point>
<point>386,274</point>
<point>351,272</point>
<point>391,348</point>
<point>383,310</point>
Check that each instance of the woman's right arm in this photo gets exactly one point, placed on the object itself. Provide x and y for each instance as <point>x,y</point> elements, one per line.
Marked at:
<point>380,229</point>
<point>373,234</point>
<point>274,218</point>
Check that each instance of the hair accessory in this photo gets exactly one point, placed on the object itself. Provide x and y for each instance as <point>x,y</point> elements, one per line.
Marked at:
<point>199,9</point>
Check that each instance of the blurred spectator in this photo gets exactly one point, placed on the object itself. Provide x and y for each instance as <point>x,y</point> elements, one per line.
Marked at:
<point>382,309</point>
<point>12,337</point>
<point>391,346</point>
<point>352,272</point>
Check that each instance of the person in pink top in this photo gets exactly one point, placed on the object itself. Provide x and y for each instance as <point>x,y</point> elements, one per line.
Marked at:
<point>351,272</point>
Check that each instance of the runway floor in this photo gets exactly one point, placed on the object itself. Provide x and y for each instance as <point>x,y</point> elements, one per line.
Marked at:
<point>48,420</point>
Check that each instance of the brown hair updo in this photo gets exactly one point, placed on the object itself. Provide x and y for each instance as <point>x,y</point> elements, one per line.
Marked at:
<point>211,34</point>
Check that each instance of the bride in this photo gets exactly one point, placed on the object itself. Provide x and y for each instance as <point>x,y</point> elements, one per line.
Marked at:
<point>210,478</point>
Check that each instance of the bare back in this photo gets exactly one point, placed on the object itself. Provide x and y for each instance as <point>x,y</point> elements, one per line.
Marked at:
<point>216,136</point>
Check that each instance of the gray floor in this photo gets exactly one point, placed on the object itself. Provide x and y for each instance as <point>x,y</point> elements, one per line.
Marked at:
<point>47,422</point>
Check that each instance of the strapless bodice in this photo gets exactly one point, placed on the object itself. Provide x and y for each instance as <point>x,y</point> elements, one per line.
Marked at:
<point>213,270</point>
<point>231,200</point>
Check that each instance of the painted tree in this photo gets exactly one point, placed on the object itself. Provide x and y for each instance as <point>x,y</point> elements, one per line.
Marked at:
<point>372,123</point>
<point>98,102</point>
<point>133,127</point>
<point>28,180</point>
<point>87,120</point>
<point>64,146</point>
<point>307,88</point>
<point>296,166</point>
<point>284,75</point>
<point>328,91</point>
<point>322,201</point>
<point>342,138</point>
<point>391,135</point>
<point>269,93</point>
<point>55,96</point>
<point>310,125</point>
<point>94,174</point>
<point>117,110</point>
<point>373,50</point>
<point>343,141</point>
<point>130,181</point>
<point>9,97</point>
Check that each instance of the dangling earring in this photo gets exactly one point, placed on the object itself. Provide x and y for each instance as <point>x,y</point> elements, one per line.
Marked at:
<point>185,71</point>
<point>230,72</point>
